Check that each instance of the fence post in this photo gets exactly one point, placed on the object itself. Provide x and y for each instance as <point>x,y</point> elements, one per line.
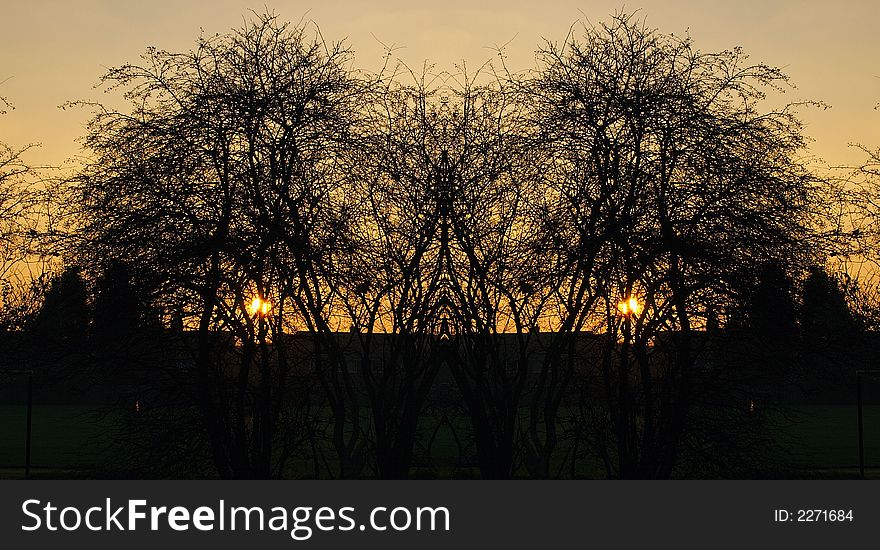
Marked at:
<point>30,414</point>
<point>861,426</point>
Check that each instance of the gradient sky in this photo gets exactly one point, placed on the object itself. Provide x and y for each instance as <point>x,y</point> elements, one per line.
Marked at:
<point>55,51</point>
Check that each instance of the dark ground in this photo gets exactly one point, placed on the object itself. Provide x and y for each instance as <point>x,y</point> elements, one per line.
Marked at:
<point>73,441</point>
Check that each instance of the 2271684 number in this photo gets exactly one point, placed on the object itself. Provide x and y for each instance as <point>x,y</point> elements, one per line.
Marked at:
<point>815,515</point>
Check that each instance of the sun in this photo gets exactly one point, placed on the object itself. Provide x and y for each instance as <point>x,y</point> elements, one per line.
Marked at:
<point>629,306</point>
<point>258,305</point>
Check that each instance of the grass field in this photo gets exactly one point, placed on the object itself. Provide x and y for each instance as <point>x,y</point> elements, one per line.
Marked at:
<point>825,438</point>
<point>72,441</point>
<point>68,440</point>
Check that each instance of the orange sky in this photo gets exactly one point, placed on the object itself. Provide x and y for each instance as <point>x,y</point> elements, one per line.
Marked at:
<point>52,51</point>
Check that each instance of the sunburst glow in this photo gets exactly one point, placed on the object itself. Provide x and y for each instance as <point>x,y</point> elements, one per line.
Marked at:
<point>259,306</point>
<point>629,306</point>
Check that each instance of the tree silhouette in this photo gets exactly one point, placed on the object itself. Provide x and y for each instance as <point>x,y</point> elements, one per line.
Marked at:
<point>219,187</point>
<point>64,316</point>
<point>124,330</point>
<point>825,315</point>
<point>669,184</point>
<point>24,271</point>
<point>831,335</point>
<point>394,289</point>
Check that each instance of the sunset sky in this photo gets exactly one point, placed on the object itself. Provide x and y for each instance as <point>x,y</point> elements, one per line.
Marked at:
<point>55,51</point>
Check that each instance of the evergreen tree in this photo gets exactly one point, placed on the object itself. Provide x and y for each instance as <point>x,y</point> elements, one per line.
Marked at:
<point>826,319</point>
<point>117,308</point>
<point>772,313</point>
<point>63,319</point>
<point>124,328</point>
<point>831,334</point>
<point>770,344</point>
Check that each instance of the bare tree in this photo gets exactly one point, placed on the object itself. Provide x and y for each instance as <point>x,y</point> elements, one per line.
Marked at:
<point>394,291</point>
<point>670,187</point>
<point>497,295</point>
<point>25,266</point>
<point>220,189</point>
